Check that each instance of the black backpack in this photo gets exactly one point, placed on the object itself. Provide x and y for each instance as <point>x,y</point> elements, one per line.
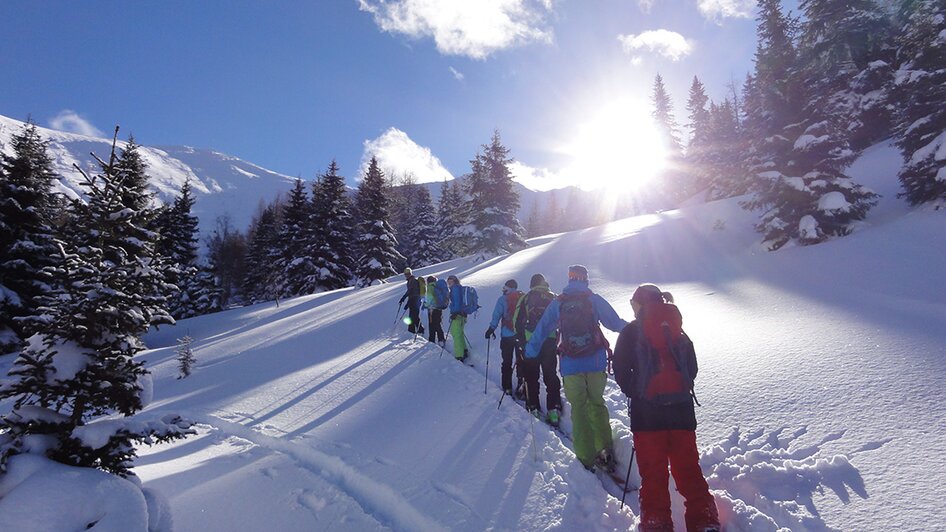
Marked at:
<point>578,331</point>
<point>531,309</point>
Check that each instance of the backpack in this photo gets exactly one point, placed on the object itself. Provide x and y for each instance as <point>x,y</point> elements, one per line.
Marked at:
<point>512,299</point>
<point>532,308</point>
<point>441,295</point>
<point>470,301</point>
<point>422,286</point>
<point>578,331</point>
<point>666,360</point>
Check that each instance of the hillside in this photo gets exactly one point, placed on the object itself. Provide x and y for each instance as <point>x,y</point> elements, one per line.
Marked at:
<point>821,373</point>
<point>821,383</point>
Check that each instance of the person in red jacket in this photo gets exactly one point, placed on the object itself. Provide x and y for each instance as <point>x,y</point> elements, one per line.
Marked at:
<point>655,364</point>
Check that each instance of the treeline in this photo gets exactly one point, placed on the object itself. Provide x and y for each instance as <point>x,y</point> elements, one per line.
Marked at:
<point>846,74</point>
<point>322,238</point>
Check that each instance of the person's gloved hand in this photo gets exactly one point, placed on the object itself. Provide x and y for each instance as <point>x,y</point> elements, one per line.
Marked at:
<point>490,332</point>
<point>453,316</point>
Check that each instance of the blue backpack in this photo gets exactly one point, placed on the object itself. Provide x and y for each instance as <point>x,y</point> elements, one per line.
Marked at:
<point>441,295</point>
<point>470,301</point>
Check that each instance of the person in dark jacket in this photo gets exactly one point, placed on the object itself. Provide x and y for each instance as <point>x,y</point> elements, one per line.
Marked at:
<point>664,431</point>
<point>412,295</point>
<point>503,314</point>
<point>530,308</point>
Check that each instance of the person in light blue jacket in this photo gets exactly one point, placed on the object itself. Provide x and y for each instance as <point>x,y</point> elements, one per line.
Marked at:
<point>577,313</point>
<point>503,313</point>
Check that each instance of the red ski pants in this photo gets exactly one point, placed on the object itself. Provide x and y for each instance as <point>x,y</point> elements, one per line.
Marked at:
<point>655,449</point>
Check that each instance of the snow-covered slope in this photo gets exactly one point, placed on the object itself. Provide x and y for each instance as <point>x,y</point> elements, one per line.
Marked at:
<point>821,380</point>
<point>222,184</point>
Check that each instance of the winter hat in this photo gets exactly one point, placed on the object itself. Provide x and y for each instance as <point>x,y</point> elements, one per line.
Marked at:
<point>577,272</point>
<point>407,271</point>
<point>512,284</point>
<point>537,279</point>
<point>431,279</point>
<point>454,279</point>
<point>647,293</point>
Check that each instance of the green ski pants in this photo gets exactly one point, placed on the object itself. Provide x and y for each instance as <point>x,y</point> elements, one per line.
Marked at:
<point>459,337</point>
<point>591,423</point>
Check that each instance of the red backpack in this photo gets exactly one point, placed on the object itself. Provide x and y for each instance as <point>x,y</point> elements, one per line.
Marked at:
<point>666,361</point>
<point>512,299</point>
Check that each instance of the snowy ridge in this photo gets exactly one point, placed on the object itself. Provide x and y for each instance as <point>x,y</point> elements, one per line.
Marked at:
<point>223,184</point>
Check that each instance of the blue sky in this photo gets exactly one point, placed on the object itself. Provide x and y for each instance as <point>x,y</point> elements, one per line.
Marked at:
<point>422,83</point>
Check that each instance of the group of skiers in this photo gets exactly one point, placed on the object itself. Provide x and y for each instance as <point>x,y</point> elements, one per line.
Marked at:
<point>654,364</point>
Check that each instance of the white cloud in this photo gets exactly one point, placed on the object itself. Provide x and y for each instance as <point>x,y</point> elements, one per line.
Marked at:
<point>646,5</point>
<point>539,178</point>
<point>462,27</point>
<point>397,154</point>
<point>669,44</point>
<point>70,122</point>
<point>457,74</point>
<point>720,9</point>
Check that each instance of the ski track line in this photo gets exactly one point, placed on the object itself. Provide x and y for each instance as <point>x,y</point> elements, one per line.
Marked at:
<point>373,496</point>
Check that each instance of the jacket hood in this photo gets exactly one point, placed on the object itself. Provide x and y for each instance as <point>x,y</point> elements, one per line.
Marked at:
<point>576,286</point>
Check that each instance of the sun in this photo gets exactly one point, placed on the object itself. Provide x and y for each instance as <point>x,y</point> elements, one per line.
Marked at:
<point>616,148</point>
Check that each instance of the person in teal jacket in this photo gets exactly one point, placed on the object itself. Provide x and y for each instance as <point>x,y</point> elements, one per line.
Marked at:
<point>585,373</point>
<point>457,319</point>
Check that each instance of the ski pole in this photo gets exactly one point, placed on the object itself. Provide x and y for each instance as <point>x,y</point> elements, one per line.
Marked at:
<point>631,463</point>
<point>535,452</point>
<point>486,384</point>
<point>444,346</point>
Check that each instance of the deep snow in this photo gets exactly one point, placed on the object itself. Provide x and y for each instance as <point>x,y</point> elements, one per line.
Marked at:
<point>821,384</point>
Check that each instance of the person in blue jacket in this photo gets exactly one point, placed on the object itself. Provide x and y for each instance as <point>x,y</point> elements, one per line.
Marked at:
<point>503,312</point>
<point>577,313</point>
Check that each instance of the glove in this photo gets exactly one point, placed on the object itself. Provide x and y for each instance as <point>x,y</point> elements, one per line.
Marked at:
<point>453,316</point>
<point>490,332</point>
<point>407,307</point>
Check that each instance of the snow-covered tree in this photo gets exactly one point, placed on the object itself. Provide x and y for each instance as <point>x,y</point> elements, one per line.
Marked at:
<point>80,366</point>
<point>813,199</point>
<point>376,241</point>
<point>185,356</point>
<point>260,279</point>
<point>423,232</point>
<point>493,227</point>
<point>27,210</point>
<point>222,278</point>
<point>333,221</point>
<point>724,156</point>
<point>177,244</point>
<point>920,95</point>
<point>297,272</point>
<point>452,214</point>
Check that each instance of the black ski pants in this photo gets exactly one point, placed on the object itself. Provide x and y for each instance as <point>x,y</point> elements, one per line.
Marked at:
<point>413,309</point>
<point>507,345</point>
<point>547,362</point>
<point>435,325</point>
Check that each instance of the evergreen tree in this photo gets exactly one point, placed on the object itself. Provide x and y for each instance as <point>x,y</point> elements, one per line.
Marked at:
<point>177,245</point>
<point>675,185</point>
<point>533,225</point>
<point>260,279</point>
<point>452,214</point>
<point>494,203</point>
<point>222,278</point>
<point>423,232</point>
<point>697,153</point>
<point>81,364</point>
<point>297,272</point>
<point>333,221</point>
<point>723,158</point>
<point>27,211</point>
<point>814,199</point>
<point>920,94</point>
<point>185,356</point>
<point>376,242</point>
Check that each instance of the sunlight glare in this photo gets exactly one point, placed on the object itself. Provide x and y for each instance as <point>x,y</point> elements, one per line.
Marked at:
<point>618,148</point>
